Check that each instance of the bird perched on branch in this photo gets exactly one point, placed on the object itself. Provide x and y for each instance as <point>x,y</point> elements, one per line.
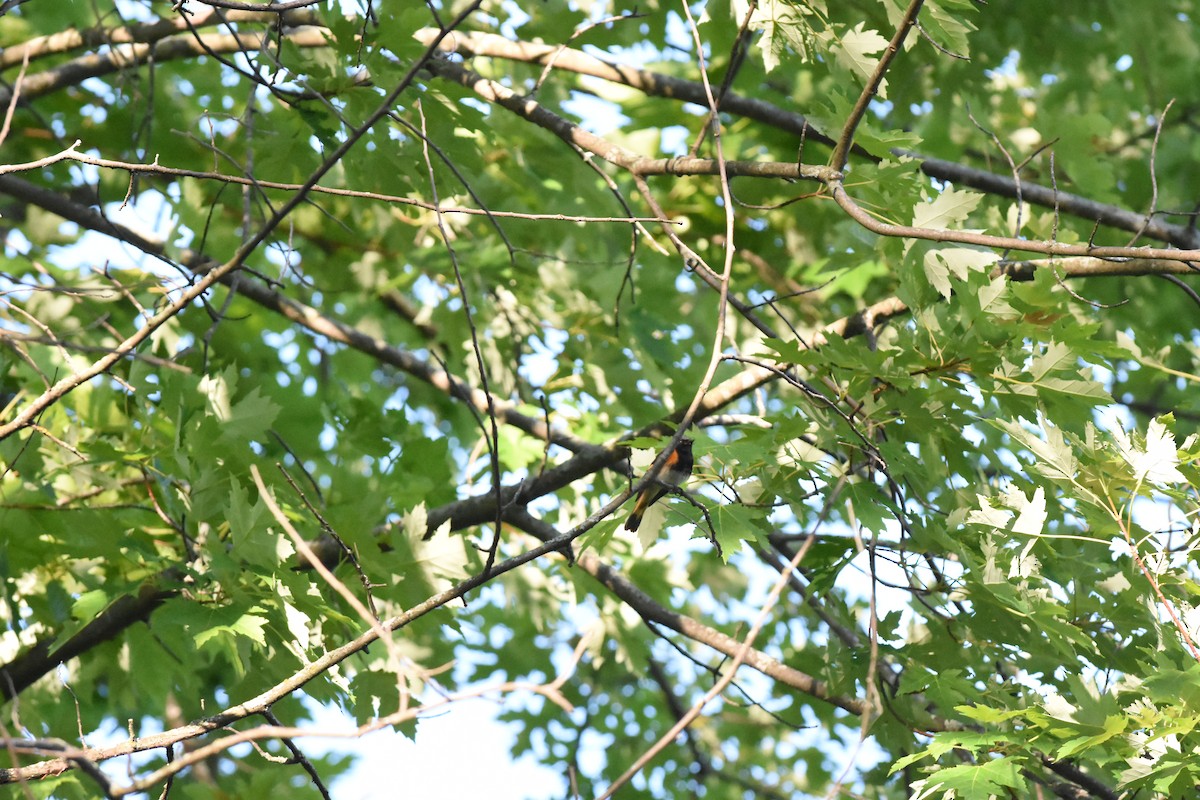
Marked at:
<point>676,470</point>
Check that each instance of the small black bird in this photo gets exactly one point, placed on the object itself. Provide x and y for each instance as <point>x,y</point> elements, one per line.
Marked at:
<point>677,470</point>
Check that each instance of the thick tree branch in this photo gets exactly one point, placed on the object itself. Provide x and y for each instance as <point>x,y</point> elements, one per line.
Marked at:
<point>636,164</point>
<point>144,33</point>
<point>658,85</point>
<point>43,658</point>
<point>134,55</point>
<point>651,611</point>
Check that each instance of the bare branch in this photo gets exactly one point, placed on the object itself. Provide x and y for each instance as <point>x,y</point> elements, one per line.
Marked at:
<point>659,85</point>
<point>146,33</point>
<point>127,56</point>
<point>841,152</point>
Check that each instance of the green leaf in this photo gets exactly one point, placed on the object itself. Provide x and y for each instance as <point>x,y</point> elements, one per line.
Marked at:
<point>948,210</point>
<point>855,49</point>
<point>376,694</point>
<point>90,604</point>
<point>736,525</point>
<point>246,624</point>
<point>1114,726</point>
<point>956,261</point>
<point>980,780</point>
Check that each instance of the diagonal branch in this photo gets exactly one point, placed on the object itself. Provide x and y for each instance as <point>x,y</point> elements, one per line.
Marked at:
<point>304,315</point>
<point>43,658</point>
<point>48,398</point>
<point>263,702</point>
<point>841,152</point>
<point>651,611</point>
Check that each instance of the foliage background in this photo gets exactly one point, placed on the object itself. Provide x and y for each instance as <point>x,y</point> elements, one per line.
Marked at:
<point>428,286</point>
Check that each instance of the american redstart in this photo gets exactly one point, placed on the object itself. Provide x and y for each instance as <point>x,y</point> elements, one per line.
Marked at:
<point>676,470</point>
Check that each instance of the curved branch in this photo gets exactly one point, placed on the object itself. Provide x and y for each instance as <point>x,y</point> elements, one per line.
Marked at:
<point>1182,236</point>
<point>658,85</point>
<point>638,165</point>
<point>1050,248</point>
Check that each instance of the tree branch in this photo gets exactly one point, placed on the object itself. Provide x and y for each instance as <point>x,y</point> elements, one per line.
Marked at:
<point>128,56</point>
<point>43,658</point>
<point>145,33</point>
<point>651,611</point>
<point>659,85</point>
<point>841,151</point>
<point>27,415</point>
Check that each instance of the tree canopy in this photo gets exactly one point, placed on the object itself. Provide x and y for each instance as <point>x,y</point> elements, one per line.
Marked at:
<point>337,336</point>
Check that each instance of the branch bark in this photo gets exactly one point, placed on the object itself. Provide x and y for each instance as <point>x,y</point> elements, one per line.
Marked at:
<point>659,85</point>
<point>43,658</point>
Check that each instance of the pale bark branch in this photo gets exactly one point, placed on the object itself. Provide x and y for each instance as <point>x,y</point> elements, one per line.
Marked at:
<point>659,85</point>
